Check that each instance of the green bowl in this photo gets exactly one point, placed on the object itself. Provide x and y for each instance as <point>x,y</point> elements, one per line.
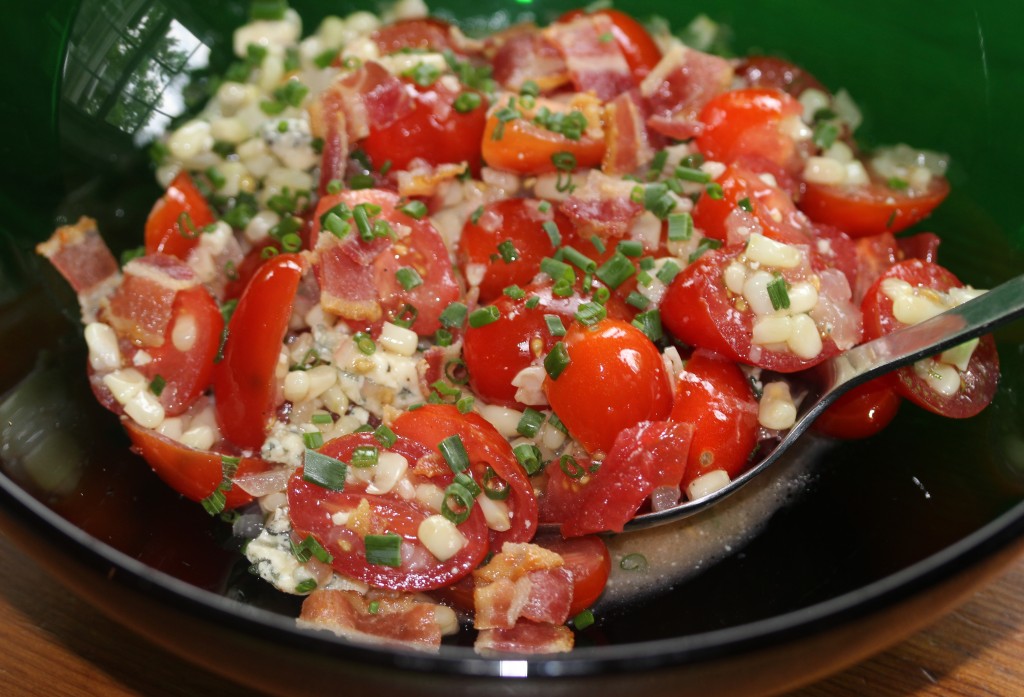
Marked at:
<point>882,536</point>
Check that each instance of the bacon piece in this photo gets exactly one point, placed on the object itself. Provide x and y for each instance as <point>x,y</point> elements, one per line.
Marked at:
<point>524,55</point>
<point>395,621</point>
<point>431,367</point>
<point>524,581</point>
<point>80,255</point>
<point>602,206</point>
<point>679,86</point>
<point>595,64</point>
<point>327,122</point>
<point>628,144</point>
<point>140,309</point>
<point>525,638</point>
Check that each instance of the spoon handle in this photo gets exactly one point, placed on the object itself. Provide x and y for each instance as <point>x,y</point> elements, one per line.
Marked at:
<point>978,316</point>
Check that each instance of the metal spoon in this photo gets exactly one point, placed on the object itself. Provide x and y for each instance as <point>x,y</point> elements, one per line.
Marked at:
<point>841,373</point>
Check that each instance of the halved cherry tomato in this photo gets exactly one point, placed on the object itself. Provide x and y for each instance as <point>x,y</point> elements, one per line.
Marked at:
<point>715,397</point>
<point>508,239</point>
<point>748,122</point>
<point>434,131</point>
<point>770,206</point>
<point>360,280</point>
<point>176,219</point>
<point>699,310</point>
<point>194,474</point>
<point>639,49</point>
<point>589,564</point>
<point>873,208</point>
<point>243,381</point>
<point>526,148</point>
<point>770,71</point>
<point>863,411</point>
<point>487,450</point>
<point>185,360</point>
<point>977,383</point>
<point>314,510</point>
<point>614,380</point>
<point>496,352</point>
<point>427,34</point>
<point>645,457</point>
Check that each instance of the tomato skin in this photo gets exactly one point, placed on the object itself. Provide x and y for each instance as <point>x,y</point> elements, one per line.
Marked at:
<point>163,233</point>
<point>589,563</point>
<point>715,397</point>
<point>615,379</point>
<point>746,122</point>
<point>427,34</point>
<point>870,209</point>
<point>432,423</point>
<point>496,352</point>
<point>194,474</point>
<point>312,507</point>
<point>770,71</point>
<point>518,221</point>
<point>644,457</point>
<point>526,148</point>
<point>977,384</point>
<point>433,131</point>
<point>187,373</point>
<point>243,381</point>
<point>863,411</point>
<point>638,48</point>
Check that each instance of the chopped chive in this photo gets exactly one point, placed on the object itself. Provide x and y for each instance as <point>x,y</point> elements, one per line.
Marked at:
<point>454,316</point>
<point>454,453</point>
<point>365,456</point>
<point>649,323</point>
<point>544,206</point>
<point>383,550</point>
<point>457,504</point>
<point>530,423</point>
<point>309,548</point>
<point>467,102</point>
<point>640,302</point>
<point>324,470</point>
<point>564,161</point>
<point>668,271</point>
<point>514,292</point>
<point>825,134</point>
<point>680,227</point>
<point>532,302</point>
<point>443,337</point>
<point>364,342</point>
<point>657,165</point>
<point>714,191</point>
<point>494,487</point>
<point>630,248</point>
<point>157,384</point>
<point>385,436</point>
<point>529,457</point>
<point>307,586</point>
<point>555,326</point>
<point>508,251</point>
<point>583,620</point>
<point>634,562</point>
<point>313,439</point>
<point>414,209</point>
<point>745,204</point>
<point>475,215</point>
<point>408,278</point>
<point>897,183</point>
<point>692,174</point>
<point>578,259</point>
<point>465,404</point>
<point>483,316</point>
<point>373,607</point>
<point>705,244</point>
<point>616,270</point>
<point>557,360</point>
<point>557,270</point>
<point>571,468</point>
<point>321,418</point>
<point>406,317</point>
<point>598,243</point>
<point>590,313</point>
<point>778,292</point>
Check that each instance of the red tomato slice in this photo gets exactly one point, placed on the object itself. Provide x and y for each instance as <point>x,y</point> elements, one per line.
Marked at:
<point>746,122</point>
<point>427,34</point>
<point>614,380</point>
<point>700,311</point>
<point>359,280</point>
<point>517,224</point>
<point>871,209</point>
<point>715,397</point>
<point>589,563</point>
<point>313,507</point>
<point>977,383</point>
<point>863,411</point>
<point>432,423</point>
<point>176,219</point>
<point>185,360</point>
<point>645,457</point>
<point>526,148</point>
<point>434,131</point>
<point>771,207</point>
<point>769,71</point>
<point>496,352</point>
<point>243,381</point>
<point>639,49</point>
<point>194,474</point>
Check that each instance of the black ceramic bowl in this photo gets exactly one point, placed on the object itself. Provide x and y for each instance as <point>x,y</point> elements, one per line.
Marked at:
<point>875,539</point>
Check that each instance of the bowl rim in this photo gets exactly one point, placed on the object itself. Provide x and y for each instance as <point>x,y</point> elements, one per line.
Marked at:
<point>260,624</point>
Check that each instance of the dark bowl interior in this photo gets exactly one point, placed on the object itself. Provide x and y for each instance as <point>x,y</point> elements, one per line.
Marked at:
<point>886,532</point>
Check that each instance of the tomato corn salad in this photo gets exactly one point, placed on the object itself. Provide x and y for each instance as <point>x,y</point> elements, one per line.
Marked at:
<point>414,296</point>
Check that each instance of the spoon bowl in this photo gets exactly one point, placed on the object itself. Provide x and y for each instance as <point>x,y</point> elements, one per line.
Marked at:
<point>860,364</point>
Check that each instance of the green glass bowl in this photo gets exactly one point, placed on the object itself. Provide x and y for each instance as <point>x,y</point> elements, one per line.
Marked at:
<point>884,536</point>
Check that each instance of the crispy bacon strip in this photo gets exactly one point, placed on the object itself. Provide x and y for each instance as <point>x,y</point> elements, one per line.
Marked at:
<point>393,620</point>
<point>80,255</point>
<point>628,145</point>
<point>523,582</point>
<point>595,64</point>
<point>679,87</point>
<point>525,638</point>
<point>527,55</point>
<point>602,206</point>
<point>140,308</point>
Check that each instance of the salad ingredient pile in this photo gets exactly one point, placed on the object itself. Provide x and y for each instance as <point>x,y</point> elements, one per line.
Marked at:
<point>412,295</point>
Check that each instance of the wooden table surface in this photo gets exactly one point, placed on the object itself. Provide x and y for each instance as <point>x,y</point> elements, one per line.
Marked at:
<point>54,645</point>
